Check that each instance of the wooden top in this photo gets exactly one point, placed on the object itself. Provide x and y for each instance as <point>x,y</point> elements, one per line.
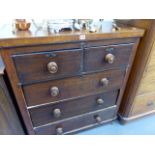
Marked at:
<point>8,38</point>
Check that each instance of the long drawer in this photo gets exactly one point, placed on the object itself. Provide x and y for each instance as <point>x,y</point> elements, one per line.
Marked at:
<point>47,65</point>
<point>54,112</point>
<point>78,123</point>
<point>68,88</point>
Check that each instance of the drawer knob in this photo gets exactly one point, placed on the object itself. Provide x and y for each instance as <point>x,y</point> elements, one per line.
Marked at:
<point>100,101</point>
<point>104,81</point>
<point>110,58</point>
<point>52,67</point>
<point>57,113</point>
<point>98,119</point>
<point>59,131</point>
<point>54,91</point>
<point>150,103</point>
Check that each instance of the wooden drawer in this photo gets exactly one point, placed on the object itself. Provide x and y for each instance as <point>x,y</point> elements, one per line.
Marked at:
<point>144,103</point>
<point>147,84</point>
<point>107,57</point>
<point>47,65</point>
<point>53,112</point>
<point>69,88</point>
<point>151,59</point>
<point>78,123</point>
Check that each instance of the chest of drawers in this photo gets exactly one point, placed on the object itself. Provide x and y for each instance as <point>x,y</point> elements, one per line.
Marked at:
<point>64,84</point>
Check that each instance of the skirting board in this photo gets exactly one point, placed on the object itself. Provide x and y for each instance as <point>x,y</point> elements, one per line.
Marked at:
<point>124,120</point>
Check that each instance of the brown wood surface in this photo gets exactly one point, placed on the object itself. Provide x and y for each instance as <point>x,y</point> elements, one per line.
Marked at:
<point>128,70</point>
<point>72,87</point>
<point>10,123</point>
<point>143,103</point>
<point>107,42</point>
<point>37,94</point>
<point>33,67</point>
<point>95,57</point>
<point>35,48</point>
<point>9,38</point>
<point>74,124</point>
<point>139,66</point>
<point>151,61</point>
<point>147,84</point>
<point>11,71</point>
<point>45,114</point>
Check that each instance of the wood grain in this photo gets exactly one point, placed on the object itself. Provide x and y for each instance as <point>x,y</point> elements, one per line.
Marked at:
<point>95,57</point>
<point>78,123</point>
<point>138,65</point>
<point>11,71</point>
<point>45,114</point>
<point>9,119</point>
<point>72,87</point>
<point>143,103</point>
<point>20,38</point>
<point>148,78</point>
<point>33,67</point>
<point>37,93</point>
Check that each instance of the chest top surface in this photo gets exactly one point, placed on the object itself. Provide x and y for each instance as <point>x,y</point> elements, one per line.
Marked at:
<point>10,38</point>
<point>68,81</point>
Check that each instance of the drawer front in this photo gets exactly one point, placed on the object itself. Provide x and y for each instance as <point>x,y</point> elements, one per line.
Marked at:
<point>147,82</point>
<point>77,123</point>
<point>46,114</point>
<point>68,88</point>
<point>47,65</point>
<point>144,103</point>
<point>107,57</point>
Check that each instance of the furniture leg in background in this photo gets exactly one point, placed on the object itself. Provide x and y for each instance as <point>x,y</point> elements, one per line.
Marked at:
<point>139,96</point>
<point>9,121</point>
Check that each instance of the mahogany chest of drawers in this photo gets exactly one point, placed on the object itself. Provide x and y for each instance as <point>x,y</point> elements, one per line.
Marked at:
<point>64,84</point>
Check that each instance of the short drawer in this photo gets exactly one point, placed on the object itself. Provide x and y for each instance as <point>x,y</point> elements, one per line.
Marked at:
<point>53,112</point>
<point>47,65</point>
<point>144,103</point>
<point>69,88</point>
<point>78,123</point>
<point>107,57</point>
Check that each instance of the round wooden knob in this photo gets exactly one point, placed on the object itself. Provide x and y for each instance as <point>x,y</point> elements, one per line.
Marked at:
<point>110,58</point>
<point>52,67</point>
<point>57,113</point>
<point>54,91</point>
<point>59,131</point>
<point>100,101</point>
<point>104,81</point>
<point>98,119</point>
